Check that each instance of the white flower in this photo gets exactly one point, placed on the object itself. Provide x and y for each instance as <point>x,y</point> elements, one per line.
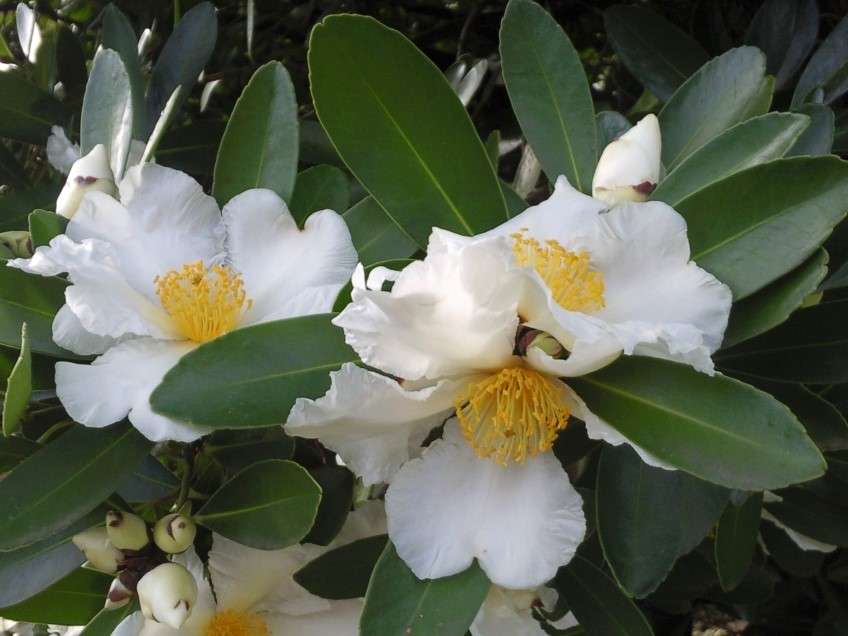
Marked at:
<point>163,270</point>
<point>61,152</point>
<point>629,167</point>
<point>254,592</point>
<point>90,173</point>
<point>468,330</point>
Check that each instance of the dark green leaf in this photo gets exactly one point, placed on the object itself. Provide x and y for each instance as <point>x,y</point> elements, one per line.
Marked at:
<point>736,538</point>
<point>268,506</point>
<point>150,481</point>
<point>399,603</point>
<point>648,517</point>
<point>18,388</point>
<point>259,146</point>
<point>13,450</point>
<point>826,76</point>
<point>410,143</point>
<point>15,207</point>
<point>342,572</point>
<point>316,147</point>
<point>251,377</point>
<point>107,620</point>
<point>44,225</point>
<point>119,36</point>
<point>788,554</point>
<point>757,587</point>
<point>70,60</point>
<point>319,188</point>
<point>12,173</point>
<point>375,235</point>
<point>715,428</point>
<point>27,112</point>
<point>4,49</point>
<point>818,138</point>
<point>549,92</point>
<point>659,55</point>
<point>74,600</point>
<point>785,30</point>
<point>238,449</point>
<point>611,126</point>
<point>191,148</point>
<point>810,515</point>
<point>336,484</point>
<point>64,480</point>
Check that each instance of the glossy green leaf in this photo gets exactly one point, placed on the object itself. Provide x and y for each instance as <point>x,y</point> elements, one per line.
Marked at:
<point>44,225</point>
<point>319,188</point>
<point>810,515</point>
<point>18,387</point>
<point>598,602</point>
<point>259,146</point>
<point>825,425</point>
<point>12,173</point>
<point>648,517</point>
<point>375,235</point>
<point>736,538</point>
<point>15,207</point>
<point>238,449</point>
<point>818,138</point>
<point>746,144</point>
<point>74,600</point>
<point>182,58</point>
<point>268,506</point>
<point>316,147</point>
<point>659,55</point>
<point>611,125</point>
<point>27,112</point>
<point>549,93</point>
<point>60,483</point>
<point>119,36</point>
<point>336,483</point>
<point>342,572</point>
<point>825,77</point>
<point>756,225</point>
<point>410,143</point>
<point>150,481</point>
<point>715,98</point>
<point>107,620</point>
<point>191,148</point>
<point>14,450</point>
<point>4,49</point>
<point>397,602</point>
<point>811,347</point>
<point>786,31</point>
<point>716,428</point>
<point>251,377</point>
<point>772,305</point>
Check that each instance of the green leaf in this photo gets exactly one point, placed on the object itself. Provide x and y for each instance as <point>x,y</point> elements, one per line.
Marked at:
<point>251,377</point>
<point>70,60</point>
<point>107,115</point>
<point>549,93</point>
<point>397,602</point>
<point>18,388</point>
<point>27,112</point>
<point>715,428</point>
<point>268,506</point>
<point>4,49</point>
<point>597,602</point>
<point>648,517</point>
<point>810,515</point>
<point>611,125</point>
<point>786,31</point>
<point>772,305</point>
<point>63,481</point>
<point>826,76</point>
<point>161,124</point>
<point>74,600</point>
<point>150,481</point>
<point>107,620</point>
<point>12,173</point>
<point>182,58</point>
<point>659,55</point>
<point>15,207</point>
<point>818,138</point>
<point>343,572</point>
<point>44,225</point>
<point>787,554</point>
<point>736,539</point>
<point>319,188</point>
<point>259,146</point>
<point>756,225</point>
<point>410,143</point>
<point>336,484</point>
<point>715,98</point>
<point>13,450</point>
<point>191,148</point>
<point>119,36</point>
<point>746,144</point>
<point>316,147</point>
<point>238,449</point>
<point>811,347</point>
<point>375,235</point>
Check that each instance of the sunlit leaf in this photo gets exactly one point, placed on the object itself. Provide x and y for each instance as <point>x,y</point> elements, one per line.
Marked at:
<point>18,388</point>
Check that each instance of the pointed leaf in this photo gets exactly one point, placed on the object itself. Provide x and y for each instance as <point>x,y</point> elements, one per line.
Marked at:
<point>319,188</point>
<point>375,235</point>
<point>785,30</point>
<point>716,428</point>
<point>259,146</point>
<point>119,36</point>
<point>342,572</point>
<point>810,515</point>
<point>238,449</point>
<point>826,76</point>
<point>150,481</point>
<point>549,92</point>
<point>736,539</point>
<point>27,112</point>
<point>74,600</point>
<point>818,138</point>
<point>44,225</point>
<point>268,506</point>
<point>336,483</point>
<point>18,388</point>
<point>410,143</point>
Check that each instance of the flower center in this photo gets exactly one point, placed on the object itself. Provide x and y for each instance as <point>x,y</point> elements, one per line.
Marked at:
<point>233,623</point>
<point>511,414</point>
<point>203,304</point>
<point>574,286</point>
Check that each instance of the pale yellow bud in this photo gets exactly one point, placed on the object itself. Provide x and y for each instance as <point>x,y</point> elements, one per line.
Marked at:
<point>90,173</point>
<point>99,551</point>
<point>547,343</point>
<point>18,242</point>
<point>167,594</point>
<point>126,530</point>
<point>174,533</point>
<point>629,167</point>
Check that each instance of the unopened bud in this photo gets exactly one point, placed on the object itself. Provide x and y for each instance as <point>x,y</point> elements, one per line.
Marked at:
<point>629,167</point>
<point>126,530</point>
<point>90,173</point>
<point>18,242</point>
<point>99,551</point>
<point>118,595</point>
<point>174,533</point>
<point>547,343</point>
<point>167,594</point>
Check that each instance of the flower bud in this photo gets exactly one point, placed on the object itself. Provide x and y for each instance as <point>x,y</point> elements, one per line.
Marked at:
<point>99,551</point>
<point>174,533</point>
<point>167,594</point>
<point>118,595</point>
<point>126,530</point>
<point>18,242</point>
<point>90,173</point>
<point>629,167</point>
<point>547,343</point>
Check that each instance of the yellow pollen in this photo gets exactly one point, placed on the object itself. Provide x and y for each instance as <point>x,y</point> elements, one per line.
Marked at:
<point>511,414</point>
<point>232,623</point>
<point>203,304</point>
<point>574,286</point>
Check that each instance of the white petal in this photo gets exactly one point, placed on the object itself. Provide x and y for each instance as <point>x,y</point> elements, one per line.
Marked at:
<point>453,313</point>
<point>69,333</point>
<point>61,153</point>
<point>340,619</point>
<point>119,383</point>
<point>506,613</point>
<point>449,507</point>
<point>131,625</point>
<point>371,421</point>
<point>278,261</point>
<point>366,521</point>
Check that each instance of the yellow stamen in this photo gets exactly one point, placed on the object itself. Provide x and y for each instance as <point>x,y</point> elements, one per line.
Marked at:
<point>511,414</point>
<point>203,304</point>
<point>574,286</point>
<point>232,623</point>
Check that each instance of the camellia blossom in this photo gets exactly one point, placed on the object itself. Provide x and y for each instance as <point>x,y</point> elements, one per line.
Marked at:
<point>629,167</point>
<point>162,271</point>
<point>481,334</point>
